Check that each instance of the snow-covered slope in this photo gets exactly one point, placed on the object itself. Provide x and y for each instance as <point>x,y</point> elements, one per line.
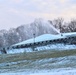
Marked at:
<point>41,38</point>
<point>47,47</point>
<point>39,63</point>
<point>47,37</point>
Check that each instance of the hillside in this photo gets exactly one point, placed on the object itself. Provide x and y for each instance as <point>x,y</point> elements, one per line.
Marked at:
<point>52,59</point>
<point>45,37</point>
<point>41,62</point>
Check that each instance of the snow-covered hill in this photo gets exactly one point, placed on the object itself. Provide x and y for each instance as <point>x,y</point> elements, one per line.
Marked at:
<point>45,37</point>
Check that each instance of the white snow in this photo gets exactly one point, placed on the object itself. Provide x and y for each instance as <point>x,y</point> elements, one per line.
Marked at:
<point>64,72</point>
<point>41,38</point>
<point>12,51</point>
<point>56,72</point>
<point>46,37</point>
<point>56,47</point>
<point>48,47</point>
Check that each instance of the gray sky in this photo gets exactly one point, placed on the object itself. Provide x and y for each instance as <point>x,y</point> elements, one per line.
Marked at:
<point>14,13</point>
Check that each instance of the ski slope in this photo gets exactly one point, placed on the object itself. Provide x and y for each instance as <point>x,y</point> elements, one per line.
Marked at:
<point>45,37</point>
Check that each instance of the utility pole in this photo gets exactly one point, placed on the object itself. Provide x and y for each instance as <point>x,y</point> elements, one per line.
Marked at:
<point>33,42</point>
<point>34,34</point>
<point>34,37</point>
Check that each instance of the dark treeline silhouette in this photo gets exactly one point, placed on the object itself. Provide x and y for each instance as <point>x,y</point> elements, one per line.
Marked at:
<point>64,27</point>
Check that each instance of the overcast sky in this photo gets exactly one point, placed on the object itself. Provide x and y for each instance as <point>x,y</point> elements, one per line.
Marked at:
<point>14,13</point>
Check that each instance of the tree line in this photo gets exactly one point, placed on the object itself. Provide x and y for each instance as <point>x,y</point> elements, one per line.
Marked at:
<point>63,26</point>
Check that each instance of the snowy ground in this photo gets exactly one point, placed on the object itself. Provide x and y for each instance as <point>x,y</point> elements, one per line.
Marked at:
<point>57,72</point>
<point>61,72</point>
<point>39,63</point>
<point>47,47</point>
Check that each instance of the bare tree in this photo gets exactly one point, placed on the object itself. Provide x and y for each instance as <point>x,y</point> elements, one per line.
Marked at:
<point>58,23</point>
<point>72,26</point>
<point>12,37</point>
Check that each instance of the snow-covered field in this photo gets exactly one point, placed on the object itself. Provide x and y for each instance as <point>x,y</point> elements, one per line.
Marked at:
<point>61,72</point>
<point>56,72</point>
<point>39,63</point>
<point>54,59</point>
